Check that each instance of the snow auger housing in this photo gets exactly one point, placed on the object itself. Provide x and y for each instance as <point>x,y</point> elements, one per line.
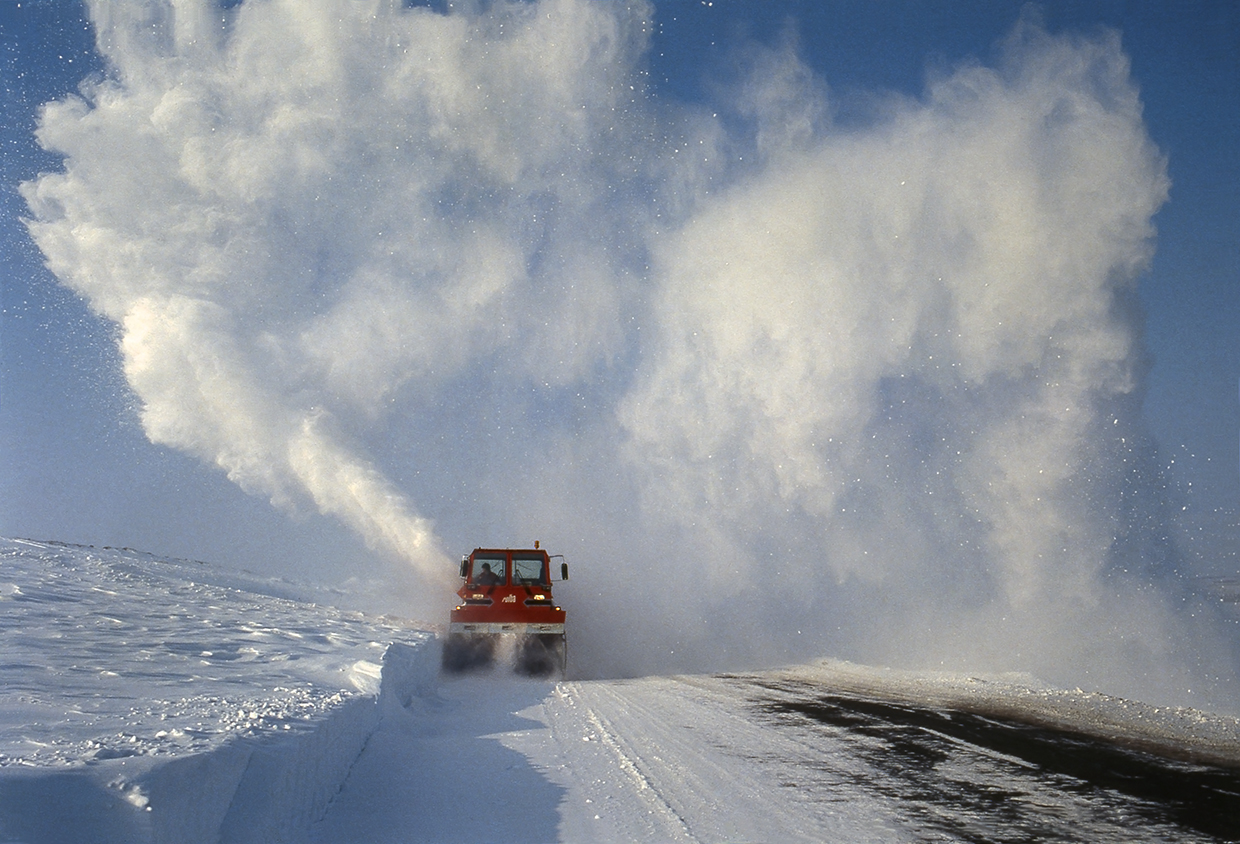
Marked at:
<point>505,604</point>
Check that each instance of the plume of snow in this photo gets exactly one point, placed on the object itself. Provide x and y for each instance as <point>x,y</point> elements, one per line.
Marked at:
<point>294,212</point>
<point>795,388</point>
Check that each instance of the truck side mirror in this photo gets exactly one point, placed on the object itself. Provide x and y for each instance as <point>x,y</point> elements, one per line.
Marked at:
<point>563,571</point>
<point>464,566</point>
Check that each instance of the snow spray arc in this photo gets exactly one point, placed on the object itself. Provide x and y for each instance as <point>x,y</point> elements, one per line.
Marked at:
<point>347,243</point>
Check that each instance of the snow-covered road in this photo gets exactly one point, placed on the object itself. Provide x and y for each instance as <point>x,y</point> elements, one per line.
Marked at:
<point>656,759</point>
<point>827,753</point>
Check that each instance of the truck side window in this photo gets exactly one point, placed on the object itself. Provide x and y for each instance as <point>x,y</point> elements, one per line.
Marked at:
<point>527,569</point>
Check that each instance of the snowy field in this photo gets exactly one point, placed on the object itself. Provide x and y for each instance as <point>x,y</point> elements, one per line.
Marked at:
<point>152,700</point>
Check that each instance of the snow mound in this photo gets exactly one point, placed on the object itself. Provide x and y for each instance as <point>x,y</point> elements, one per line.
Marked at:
<point>154,700</point>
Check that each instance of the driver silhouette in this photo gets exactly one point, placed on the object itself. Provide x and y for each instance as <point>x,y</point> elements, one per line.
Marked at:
<point>487,577</point>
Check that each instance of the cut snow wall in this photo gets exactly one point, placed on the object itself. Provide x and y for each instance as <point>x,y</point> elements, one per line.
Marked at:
<point>286,786</point>
<point>266,789</point>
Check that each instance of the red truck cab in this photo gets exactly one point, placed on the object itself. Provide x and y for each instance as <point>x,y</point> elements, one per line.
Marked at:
<point>506,600</point>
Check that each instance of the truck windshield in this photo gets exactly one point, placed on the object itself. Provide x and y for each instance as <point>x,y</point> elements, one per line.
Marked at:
<point>527,569</point>
<point>488,571</point>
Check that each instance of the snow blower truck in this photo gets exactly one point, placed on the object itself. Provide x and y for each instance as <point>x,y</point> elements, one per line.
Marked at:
<point>506,610</point>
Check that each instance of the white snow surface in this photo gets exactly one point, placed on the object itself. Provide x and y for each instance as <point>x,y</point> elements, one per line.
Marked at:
<point>152,700</point>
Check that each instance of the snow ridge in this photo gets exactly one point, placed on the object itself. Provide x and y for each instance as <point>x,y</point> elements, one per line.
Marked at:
<point>269,788</point>
<point>147,700</point>
<point>288,783</point>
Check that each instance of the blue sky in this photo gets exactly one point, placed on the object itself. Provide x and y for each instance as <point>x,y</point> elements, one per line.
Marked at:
<point>403,443</point>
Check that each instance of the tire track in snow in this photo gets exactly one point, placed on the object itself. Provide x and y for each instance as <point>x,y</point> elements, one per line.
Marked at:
<point>681,759</point>
<point>630,762</point>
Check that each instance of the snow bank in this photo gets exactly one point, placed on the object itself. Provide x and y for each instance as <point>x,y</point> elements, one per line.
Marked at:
<point>286,783</point>
<point>149,700</point>
<point>265,788</point>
